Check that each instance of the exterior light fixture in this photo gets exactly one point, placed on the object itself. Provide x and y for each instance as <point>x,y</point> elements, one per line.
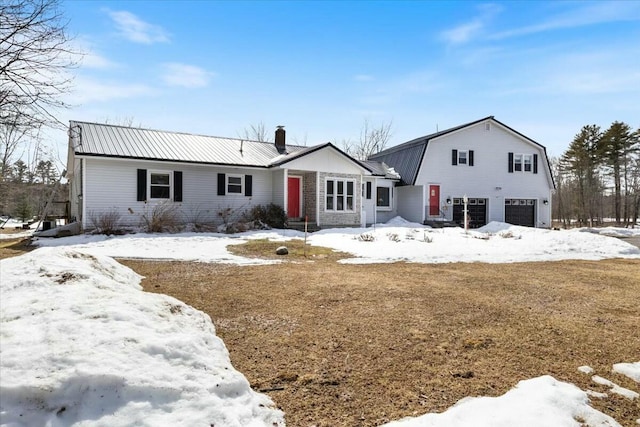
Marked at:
<point>545,202</point>
<point>448,200</point>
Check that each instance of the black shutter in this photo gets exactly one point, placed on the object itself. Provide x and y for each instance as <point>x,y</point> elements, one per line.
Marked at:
<point>177,186</point>
<point>248,184</point>
<point>510,162</point>
<point>222,183</point>
<point>369,190</point>
<point>470,157</point>
<point>142,185</point>
<point>535,163</point>
<point>454,157</point>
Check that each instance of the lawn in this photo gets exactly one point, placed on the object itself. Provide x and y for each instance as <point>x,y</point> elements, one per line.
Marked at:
<point>359,345</point>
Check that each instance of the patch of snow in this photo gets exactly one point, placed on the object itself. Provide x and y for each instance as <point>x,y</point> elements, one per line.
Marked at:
<point>586,369</point>
<point>613,231</point>
<point>83,345</point>
<point>632,370</point>
<point>542,401</point>
<point>615,388</point>
<point>398,240</point>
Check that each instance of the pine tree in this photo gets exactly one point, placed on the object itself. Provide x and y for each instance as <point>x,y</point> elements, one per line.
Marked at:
<point>615,149</point>
<point>580,161</point>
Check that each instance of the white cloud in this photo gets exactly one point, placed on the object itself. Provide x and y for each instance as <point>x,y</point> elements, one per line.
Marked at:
<point>463,33</point>
<point>589,14</point>
<point>185,75</point>
<point>89,90</point>
<point>136,30</point>
<point>363,78</point>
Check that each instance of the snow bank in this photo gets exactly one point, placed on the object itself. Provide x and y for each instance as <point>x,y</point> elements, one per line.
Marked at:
<point>542,401</point>
<point>613,231</point>
<point>398,240</point>
<point>83,345</point>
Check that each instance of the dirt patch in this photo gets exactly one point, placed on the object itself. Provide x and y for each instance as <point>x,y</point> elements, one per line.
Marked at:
<point>360,345</point>
<point>14,247</point>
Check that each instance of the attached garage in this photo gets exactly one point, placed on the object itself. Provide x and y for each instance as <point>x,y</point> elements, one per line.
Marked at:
<point>520,212</point>
<point>477,212</point>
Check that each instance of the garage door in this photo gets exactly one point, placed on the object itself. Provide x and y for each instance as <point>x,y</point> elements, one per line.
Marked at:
<point>520,212</point>
<point>477,212</point>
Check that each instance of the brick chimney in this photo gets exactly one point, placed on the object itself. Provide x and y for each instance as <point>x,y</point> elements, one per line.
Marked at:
<point>280,140</point>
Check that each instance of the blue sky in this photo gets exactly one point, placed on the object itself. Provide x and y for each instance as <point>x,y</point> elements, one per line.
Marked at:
<point>322,68</point>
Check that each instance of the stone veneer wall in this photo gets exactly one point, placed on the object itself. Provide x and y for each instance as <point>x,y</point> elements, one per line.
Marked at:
<point>335,217</point>
<point>309,196</point>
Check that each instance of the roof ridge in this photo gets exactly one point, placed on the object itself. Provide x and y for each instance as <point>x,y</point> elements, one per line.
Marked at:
<point>180,133</point>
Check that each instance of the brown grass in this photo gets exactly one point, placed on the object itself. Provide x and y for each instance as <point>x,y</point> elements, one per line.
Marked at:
<point>355,345</point>
<point>359,345</point>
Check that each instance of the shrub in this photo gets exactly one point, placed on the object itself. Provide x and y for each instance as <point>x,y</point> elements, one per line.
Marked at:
<point>162,218</point>
<point>106,222</point>
<point>272,215</point>
<point>366,237</point>
<point>393,237</point>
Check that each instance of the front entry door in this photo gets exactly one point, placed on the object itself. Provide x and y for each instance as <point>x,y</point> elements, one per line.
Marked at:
<point>434,200</point>
<point>293,200</point>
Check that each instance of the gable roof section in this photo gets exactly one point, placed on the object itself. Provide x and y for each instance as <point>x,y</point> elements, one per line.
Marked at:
<point>407,158</point>
<point>281,160</point>
<point>101,140</point>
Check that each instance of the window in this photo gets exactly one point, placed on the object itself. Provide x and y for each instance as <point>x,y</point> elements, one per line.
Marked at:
<point>160,185</point>
<point>234,184</point>
<point>383,197</point>
<point>523,163</point>
<point>462,157</point>
<point>340,195</point>
<point>517,163</point>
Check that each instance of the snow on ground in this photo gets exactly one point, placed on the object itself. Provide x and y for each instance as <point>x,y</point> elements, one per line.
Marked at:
<point>613,231</point>
<point>541,401</point>
<point>83,345</point>
<point>395,241</point>
<point>632,370</point>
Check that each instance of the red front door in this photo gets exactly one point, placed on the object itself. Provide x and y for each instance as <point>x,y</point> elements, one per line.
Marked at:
<point>434,200</point>
<point>293,201</point>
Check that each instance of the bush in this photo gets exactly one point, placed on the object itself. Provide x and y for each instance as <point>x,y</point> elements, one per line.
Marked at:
<point>162,218</point>
<point>272,215</point>
<point>366,237</point>
<point>106,222</point>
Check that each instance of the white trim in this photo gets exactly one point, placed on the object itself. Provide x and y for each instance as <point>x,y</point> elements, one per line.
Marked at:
<point>344,194</point>
<point>387,185</point>
<point>83,168</point>
<point>149,184</point>
<point>242,184</point>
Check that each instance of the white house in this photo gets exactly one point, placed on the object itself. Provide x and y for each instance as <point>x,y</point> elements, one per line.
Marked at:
<point>504,175</point>
<point>130,171</point>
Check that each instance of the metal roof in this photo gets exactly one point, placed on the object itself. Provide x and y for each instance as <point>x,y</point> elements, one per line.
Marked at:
<point>103,140</point>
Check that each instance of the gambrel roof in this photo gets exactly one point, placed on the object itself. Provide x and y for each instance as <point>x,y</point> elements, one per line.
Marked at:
<point>407,158</point>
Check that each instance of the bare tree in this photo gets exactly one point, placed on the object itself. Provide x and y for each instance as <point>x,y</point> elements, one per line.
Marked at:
<point>13,134</point>
<point>35,59</point>
<point>256,132</point>
<point>373,139</point>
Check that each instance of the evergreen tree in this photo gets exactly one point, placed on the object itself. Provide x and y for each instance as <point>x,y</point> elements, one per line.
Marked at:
<point>615,149</point>
<point>580,162</point>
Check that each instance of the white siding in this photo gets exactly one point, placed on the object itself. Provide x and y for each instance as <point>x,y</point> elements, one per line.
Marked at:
<point>325,160</point>
<point>489,177</point>
<point>112,184</point>
<point>278,187</point>
<point>411,202</point>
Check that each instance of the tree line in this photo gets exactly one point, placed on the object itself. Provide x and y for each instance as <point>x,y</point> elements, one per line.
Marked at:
<point>598,177</point>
